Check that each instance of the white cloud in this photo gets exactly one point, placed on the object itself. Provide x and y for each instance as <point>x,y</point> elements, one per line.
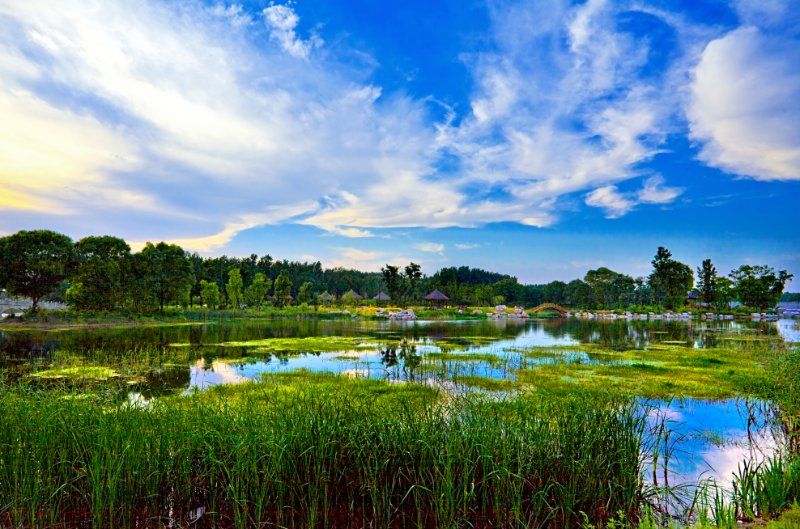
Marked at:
<point>430,247</point>
<point>282,21</point>
<point>745,105</point>
<point>187,112</point>
<point>368,261</point>
<point>655,192</point>
<point>191,123</point>
<point>354,254</point>
<point>615,204</point>
<point>466,246</point>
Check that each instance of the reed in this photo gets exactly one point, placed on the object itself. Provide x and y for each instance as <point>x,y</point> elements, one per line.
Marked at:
<point>317,451</point>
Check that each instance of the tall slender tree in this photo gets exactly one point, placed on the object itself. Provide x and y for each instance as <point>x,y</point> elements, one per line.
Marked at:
<point>707,281</point>
<point>234,288</point>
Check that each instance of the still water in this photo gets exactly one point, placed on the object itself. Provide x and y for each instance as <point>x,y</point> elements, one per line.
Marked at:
<point>707,439</point>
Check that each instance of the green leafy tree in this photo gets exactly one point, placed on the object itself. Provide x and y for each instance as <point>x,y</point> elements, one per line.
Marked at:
<point>577,294</point>
<point>724,293</point>
<point>165,271</point>
<point>509,288</point>
<point>554,292</point>
<point>257,292</point>
<point>305,295</point>
<point>707,281</point>
<point>610,289</point>
<point>759,286</point>
<point>98,282</point>
<point>234,288</point>
<point>209,292</point>
<point>670,280</point>
<point>413,274</point>
<point>484,295</point>
<point>283,288</point>
<point>33,263</point>
<point>393,281</point>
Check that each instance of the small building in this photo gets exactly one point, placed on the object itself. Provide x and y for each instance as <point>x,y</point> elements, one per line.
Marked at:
<point>325,298</point>
<point>352,294</point>
<point>382,296</point>
<point>436,298</point>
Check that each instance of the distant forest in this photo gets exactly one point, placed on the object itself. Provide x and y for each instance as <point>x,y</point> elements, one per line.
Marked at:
<point>101,273</point>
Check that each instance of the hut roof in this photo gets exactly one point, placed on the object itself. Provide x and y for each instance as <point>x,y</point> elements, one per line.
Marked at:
<point>325,296</point>
<point>382,296</point>
<point>353,294</point>
<point>436,296</point>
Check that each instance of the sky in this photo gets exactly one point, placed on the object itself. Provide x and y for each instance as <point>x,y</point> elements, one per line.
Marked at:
<point>538,138</point>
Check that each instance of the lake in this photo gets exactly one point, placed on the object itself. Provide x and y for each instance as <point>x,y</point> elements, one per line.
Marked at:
<point>708,438</point>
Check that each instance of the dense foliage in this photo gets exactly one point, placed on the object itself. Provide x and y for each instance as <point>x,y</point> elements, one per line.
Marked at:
<point>101,273</point>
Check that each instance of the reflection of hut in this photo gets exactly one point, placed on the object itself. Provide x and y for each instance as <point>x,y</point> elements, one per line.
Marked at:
<point>382,296</point>
<point>325,298</point>
<point>436,298</point>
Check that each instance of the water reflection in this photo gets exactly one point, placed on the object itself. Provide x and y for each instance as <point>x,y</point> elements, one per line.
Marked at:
<point>691,439</point>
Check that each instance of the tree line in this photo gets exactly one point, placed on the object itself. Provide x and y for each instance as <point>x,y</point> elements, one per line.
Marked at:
<point>102,273</point>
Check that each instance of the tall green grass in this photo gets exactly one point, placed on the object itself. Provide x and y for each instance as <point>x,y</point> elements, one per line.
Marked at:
<point>317,452</point>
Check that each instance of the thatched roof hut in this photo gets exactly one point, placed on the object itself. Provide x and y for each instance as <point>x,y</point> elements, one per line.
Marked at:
<point>325,297</point>
<point>382,296</point>
<point>352,294</point>
<point>436,297</point>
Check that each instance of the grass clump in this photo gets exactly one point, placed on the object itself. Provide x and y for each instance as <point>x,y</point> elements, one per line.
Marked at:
<point>76,373</point>
<point>311,344</point>
<point>303,450</point>
<point>658,372</point>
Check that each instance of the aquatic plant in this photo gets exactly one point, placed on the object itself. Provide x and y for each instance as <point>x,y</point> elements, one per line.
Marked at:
<point>303,450</point>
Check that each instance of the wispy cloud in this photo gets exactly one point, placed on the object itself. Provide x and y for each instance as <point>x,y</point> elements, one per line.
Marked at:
<point>430,247</point>
<point>282,21</point>
<point>617,204</point>
<point>192,123</point>
<point>466,245</point>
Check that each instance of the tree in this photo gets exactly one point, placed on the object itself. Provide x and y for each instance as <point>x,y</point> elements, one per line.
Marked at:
<point>257,292</point>
<point>283,288</point>
<point>99,279</point>
<point>609,289</point>
<point>164,270</point>
<point>759,286</point>
<point>393,281</point>
<point>509,288</point>
<point>577,294</point>
<point>484,295</point>
<point>553,292</point>
<point>670,280</point>
<point>707,281</point>
<point>724,293</point>
<point>33,263</point>
<point>234,288</point>
<point>304,295</point>
<point>209,292</point>
<point>413,273</point>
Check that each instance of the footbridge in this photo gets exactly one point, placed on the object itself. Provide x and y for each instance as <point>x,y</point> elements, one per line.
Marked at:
<point>550,306</point>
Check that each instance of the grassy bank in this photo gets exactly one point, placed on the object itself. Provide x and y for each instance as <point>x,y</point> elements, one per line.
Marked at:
<point>43,319</point>
<point>316,451</point>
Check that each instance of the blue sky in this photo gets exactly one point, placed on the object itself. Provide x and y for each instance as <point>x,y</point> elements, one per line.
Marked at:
<point>539,139</point>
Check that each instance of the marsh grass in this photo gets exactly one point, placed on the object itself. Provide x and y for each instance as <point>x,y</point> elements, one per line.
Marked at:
<point>304,450</point>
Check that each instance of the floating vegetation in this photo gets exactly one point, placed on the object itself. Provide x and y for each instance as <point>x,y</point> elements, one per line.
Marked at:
<point>76,373</point>
<point>312,344</point>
